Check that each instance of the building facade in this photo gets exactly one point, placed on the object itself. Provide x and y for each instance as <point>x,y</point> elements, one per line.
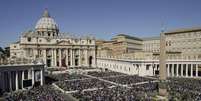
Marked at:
<point>118,45</point>
<point>151,44</point>
<point>184,44</point>
<point>54,48</point>
<point>183,54</point>
<point>180,44</point>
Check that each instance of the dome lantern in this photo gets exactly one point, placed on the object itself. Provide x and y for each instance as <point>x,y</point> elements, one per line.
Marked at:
<point>46,14</point>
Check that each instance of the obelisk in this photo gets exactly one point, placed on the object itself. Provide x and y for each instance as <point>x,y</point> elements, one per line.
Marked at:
<point>162,63</point>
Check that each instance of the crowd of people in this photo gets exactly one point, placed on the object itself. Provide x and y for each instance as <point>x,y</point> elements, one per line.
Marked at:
<point>137,93</point>
<point>105,74</point>
<point>41,93</point>
<point>128,80</point>
<point>82,68</point>
<point>82,84</point>
<point>100,88</point>
<point>185,89</point>
<point>67,76</point>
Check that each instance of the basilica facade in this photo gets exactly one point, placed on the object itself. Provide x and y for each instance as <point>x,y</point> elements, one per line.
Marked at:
<point>53,48</point>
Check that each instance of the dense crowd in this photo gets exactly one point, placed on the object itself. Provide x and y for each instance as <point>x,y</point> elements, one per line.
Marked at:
<point>41,93</point>
<point>105,74</point>
<point>137,93</point>
<point>82,68</point>
<point>128,80</point>
<point>66,76</point>
<point>55,69</point>
<point>185,89</point>
<point>82,84</point>
<point>96,89</point>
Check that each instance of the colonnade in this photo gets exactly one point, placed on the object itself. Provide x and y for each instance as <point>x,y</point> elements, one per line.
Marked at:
<point>174,68</point>
<point>187,70</point>
<point>72,56</point>
<point>12,80</point>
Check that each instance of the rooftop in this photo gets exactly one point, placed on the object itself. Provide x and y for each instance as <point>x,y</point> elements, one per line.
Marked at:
<point>151,38</point>
<point>129,37</point>
<point>183,30</point>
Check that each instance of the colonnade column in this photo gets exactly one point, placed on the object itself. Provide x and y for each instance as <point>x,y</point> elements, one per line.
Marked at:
<point>177,69</point>
<point>60,63</point>
<point>196,70</point>
<point>23,79</point>
<point>10,80</point>
<point>182,69</point>
<point>16,80</point>
<point>186,70</point>
<point>33,74</point>
<point>41,77</point>
<point>168,70</point>
<point>172,70</point>
<point>191,70</point>
<point>153,69</point>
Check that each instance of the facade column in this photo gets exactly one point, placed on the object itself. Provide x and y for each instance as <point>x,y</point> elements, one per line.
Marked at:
<point>186,70</point>
<point>45,57</point>
<point>94,57</point>
<point>71,57</point>
<point>33,77</point>
<point>182,70</point>
<point>67,57</point>
<point>79,57</point>
<point>55,57</point>
<point>196,70</point>
<point>22,79</point>
<point>35,54</point>
<point>177,69</point>
<point>60,63</point>
<point>191,70</point>
<point>168,70</point>
<point>52,60</point>
<point>29,74</point>
<point>172,70</point>
<point>16,80</point>
<point>86,57</point>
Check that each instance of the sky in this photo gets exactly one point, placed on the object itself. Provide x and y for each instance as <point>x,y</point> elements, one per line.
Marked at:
<point>100,18</point>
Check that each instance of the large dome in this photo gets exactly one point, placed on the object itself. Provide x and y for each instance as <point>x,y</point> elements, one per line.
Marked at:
<point>46,22</point>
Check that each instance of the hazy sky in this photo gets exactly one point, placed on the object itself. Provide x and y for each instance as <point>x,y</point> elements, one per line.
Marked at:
<point>102,18</point>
